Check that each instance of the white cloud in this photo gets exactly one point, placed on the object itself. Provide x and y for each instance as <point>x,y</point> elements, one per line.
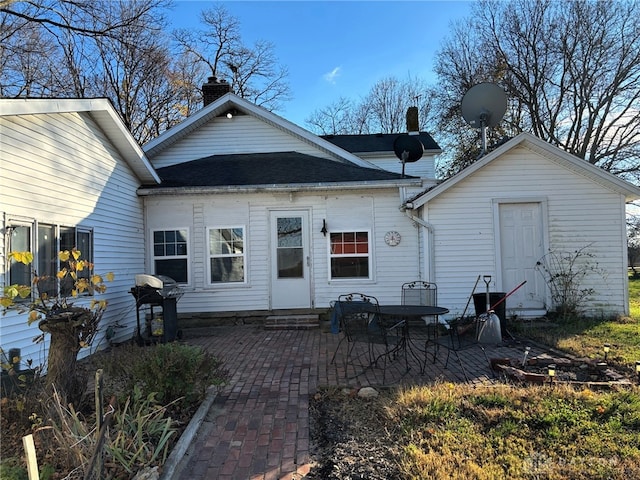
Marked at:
<point>332,75</point>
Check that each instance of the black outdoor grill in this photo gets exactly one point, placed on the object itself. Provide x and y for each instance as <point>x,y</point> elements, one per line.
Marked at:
<point>160,294</point>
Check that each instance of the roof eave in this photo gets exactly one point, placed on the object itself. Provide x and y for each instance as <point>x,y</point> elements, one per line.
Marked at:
<point>291,187</point>
<point>630,191</point>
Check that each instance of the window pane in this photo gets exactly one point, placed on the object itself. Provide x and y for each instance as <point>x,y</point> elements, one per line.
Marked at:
<point>176,269</point>
<point>85,245</point>
<point>47,260</point>
<point>290,263</point>
<point>67,243</point>
<point>290,232</point>
<point>20,273</point>
<point>350,267</point>
<point>227,269</point>
<point>67,238</point>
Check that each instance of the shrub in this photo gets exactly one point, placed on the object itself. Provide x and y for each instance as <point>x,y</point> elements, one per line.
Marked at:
<point>171,370</point>
<point>175,370</point>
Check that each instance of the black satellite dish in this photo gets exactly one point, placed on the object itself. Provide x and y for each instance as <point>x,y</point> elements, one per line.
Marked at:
<point>483,106</point>
<point>408,148</point>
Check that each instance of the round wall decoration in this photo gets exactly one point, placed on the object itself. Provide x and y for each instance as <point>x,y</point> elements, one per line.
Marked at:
<point>392,238</point>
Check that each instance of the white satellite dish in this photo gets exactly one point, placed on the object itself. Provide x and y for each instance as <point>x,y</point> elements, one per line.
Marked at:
<point>483,106</point>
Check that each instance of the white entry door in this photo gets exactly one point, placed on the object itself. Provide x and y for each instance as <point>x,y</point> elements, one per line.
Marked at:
<point>521,246</point>
<point>290,261</point>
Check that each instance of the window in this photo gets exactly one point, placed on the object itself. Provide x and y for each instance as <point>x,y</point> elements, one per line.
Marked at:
<point>349,254</point>
<point>170,254</point>
<point>226,255</point>
<point>49,240</point>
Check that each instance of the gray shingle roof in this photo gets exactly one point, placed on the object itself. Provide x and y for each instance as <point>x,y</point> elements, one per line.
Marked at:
<point>266,169</point>
<point>379,142</point>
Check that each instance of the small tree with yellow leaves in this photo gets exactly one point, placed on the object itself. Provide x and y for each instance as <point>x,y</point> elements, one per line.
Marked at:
<point>52,302</point>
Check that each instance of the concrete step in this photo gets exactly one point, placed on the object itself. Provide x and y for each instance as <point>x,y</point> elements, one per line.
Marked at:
<point>292,322</point>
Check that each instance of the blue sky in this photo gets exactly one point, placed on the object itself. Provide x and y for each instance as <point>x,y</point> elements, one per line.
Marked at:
<point>339,48</point>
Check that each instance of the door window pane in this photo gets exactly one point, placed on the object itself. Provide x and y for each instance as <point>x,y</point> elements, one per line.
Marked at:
<point>290,251</point>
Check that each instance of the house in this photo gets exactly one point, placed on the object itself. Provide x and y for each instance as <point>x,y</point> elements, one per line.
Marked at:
<point>256,214</point>
<point>69,175</point>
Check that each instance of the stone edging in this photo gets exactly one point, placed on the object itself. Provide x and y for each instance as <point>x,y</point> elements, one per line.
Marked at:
<point>173,463</point>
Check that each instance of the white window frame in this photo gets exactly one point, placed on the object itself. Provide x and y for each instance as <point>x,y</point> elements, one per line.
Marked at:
<point>34,246</point>
<point>242,255</point>
<point>368,255</point>
<point>186,258</point>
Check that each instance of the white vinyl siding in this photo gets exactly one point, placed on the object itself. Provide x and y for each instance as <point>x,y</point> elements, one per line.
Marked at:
<point>61,169</point>
<point>354,211</point>
<point>242,134</point>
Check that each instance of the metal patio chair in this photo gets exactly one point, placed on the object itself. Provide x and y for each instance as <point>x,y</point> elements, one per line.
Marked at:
<point>370,341</point>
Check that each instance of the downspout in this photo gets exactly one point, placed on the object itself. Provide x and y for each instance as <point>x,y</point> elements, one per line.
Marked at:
<point>407,209</point>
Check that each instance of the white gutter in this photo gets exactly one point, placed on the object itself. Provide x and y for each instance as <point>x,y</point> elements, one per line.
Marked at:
<point>406,209</point>
<point>296,187</point>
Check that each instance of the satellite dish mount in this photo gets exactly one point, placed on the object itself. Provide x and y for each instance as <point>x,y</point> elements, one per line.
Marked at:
<point>483,106</point>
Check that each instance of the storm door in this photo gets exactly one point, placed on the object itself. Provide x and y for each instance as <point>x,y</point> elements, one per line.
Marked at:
<point>290,261</point>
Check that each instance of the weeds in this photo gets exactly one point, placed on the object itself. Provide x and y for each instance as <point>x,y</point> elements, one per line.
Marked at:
<point>565,273</point>
<point>140,433</point>
<point>156,389</point>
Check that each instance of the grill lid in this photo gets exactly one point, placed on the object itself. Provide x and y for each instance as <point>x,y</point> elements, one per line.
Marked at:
<point>155,281</point>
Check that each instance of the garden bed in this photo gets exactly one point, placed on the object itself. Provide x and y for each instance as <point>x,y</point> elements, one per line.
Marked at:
<point>535,370</point>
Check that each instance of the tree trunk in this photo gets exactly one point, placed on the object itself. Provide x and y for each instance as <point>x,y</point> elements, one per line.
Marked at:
<point>65,329</point>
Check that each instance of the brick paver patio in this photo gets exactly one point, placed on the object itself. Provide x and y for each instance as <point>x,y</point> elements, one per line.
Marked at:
<point>258,425</point>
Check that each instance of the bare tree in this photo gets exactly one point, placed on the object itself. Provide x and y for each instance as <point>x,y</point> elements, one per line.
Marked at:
<point>91,18</point>
<point>114,49</point>
<point>253,72</point>
<point>571,70</point>
<point>334,119</point>
<point>382,110</point>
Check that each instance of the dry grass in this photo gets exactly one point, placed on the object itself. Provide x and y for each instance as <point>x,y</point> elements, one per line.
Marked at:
<point>510,432</point>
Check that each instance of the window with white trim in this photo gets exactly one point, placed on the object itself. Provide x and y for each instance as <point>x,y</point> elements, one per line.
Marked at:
<point>227,255</point>
<point>45,241</point>
<point>170,254</point>
<point>349,254</point>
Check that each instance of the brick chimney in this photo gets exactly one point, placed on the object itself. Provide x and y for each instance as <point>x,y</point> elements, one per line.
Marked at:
<point>214,89</point>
